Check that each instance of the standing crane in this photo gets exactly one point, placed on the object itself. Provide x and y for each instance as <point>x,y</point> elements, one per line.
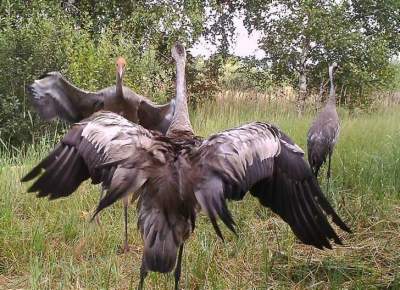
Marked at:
<point>324,131</point>
<point>54,97</point>
<point>173,176</point>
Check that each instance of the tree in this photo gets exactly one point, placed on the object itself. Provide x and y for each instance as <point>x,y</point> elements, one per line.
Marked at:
<point>302,37</point>
<point>81,38</point>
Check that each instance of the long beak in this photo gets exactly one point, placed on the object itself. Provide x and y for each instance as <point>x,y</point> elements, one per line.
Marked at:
<point>120,71</point>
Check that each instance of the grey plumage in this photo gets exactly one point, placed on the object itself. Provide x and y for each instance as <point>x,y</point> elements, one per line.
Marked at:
<point>53,96</point>
<point>173,176</point>
<point>324,131</point>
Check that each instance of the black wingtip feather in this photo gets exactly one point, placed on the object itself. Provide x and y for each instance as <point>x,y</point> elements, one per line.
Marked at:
<point>323,202</point>
<point>217,229</point>
<point>294,194</point>
<point>42,76</point>
<point>322,223</point>
<point>32,174</point>
<point>226,216</point>
<point>109,198</point>
<point>42,165</point>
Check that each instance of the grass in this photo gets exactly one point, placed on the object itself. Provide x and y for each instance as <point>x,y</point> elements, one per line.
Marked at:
<point>51,245</point>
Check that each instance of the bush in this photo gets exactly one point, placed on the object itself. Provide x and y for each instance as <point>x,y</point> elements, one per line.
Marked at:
<point>49,40</point>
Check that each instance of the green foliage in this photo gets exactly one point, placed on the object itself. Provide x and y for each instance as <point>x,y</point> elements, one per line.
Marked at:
<point>361,36</point>
<point>245,74</point>
<point>28,47</point>
<point>82,40</point>
<point>203,79</point>
<point>395,85</point>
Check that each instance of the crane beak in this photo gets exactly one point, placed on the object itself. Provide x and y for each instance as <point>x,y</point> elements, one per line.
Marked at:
<point>120,71</point>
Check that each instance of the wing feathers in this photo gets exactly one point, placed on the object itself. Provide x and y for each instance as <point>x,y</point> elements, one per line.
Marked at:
<point>53,96</point>
<point>98,147</point>
<point>260,158</point>
<point>124,181</point>
<point>48,181</point>
<point>323,202</point>
<point>297,198</point>
<point>43,164</point>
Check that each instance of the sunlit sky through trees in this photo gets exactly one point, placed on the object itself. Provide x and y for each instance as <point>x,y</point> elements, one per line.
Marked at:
<point>245,44</point>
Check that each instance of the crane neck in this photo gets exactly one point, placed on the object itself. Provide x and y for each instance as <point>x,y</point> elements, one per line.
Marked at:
<point>119,85</point>
<point>180,121</point>
<point>332,92</point>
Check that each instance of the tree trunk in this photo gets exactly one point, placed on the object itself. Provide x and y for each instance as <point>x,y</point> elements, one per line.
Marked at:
<point>301,99</point>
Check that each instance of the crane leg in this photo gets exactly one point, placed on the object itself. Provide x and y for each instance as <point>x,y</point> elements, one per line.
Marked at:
<point>178,268</point>
<point>143,274</point>
<point>328,173</point>
<point>126,204</point>
<point>316,170</point>
<point>101,196</point>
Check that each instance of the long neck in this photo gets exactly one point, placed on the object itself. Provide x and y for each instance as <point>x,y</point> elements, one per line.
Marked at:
<point>180,120</point>
<point>118,86</point>
<point>332,93</point>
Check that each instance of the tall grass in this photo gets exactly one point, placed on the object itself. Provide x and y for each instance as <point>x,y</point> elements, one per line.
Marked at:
<point>51,245</point>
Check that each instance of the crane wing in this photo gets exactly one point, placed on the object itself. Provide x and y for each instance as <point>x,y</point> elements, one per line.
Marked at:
<point>53,96</point>
<point>261,159</point>
<point>105,147</point>
<point>156,117</point>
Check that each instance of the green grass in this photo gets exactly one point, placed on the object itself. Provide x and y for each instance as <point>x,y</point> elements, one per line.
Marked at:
<point>52,245</point>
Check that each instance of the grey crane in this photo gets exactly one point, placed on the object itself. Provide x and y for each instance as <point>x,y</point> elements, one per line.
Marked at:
<point>54,97</point>
<point>175,175</point>
<point>324,132</point>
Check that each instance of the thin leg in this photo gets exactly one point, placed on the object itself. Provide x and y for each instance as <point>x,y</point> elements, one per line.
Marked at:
<point>126,204</point>
<point>328,173</point>
<point>143,274</point>
<point>178,268</point>
<point>102,190</point>
<point>316,171</point>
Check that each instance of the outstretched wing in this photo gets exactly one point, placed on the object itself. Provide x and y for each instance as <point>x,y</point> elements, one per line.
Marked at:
<point>105,147</point>
<point>53,96</point>
<point>156,117</point>
<point>259,158</point>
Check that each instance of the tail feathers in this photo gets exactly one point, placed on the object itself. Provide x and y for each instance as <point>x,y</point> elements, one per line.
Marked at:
<point>161,242</point>
<point>161,255</point>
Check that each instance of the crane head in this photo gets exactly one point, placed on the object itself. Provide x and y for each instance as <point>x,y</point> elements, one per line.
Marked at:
<point>332,69</point>
<point>120,65</point>
<point>178,52</point>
